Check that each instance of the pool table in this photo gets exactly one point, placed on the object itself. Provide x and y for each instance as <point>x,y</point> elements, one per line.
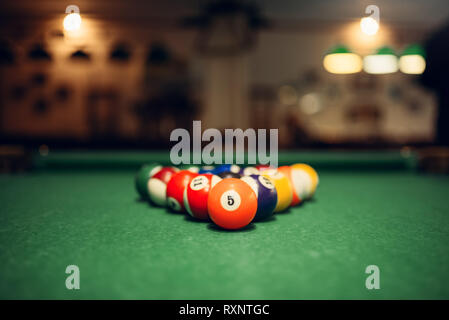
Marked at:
<point>81,208</point>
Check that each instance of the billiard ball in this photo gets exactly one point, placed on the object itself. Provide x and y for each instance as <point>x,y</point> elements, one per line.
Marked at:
<point>232,204</point>
<point>308,175</point>
<point>263,167</point>
<point>207,169</point>
<point>283,188</point>
<point>157,185</point>
<point>247,171</point>
<point>227,168</point>
<point>142,177</point>
<point>196,195</point>
<point>266,195</point>
<point>296,183</point>
<point>189,167</point>
<point>176,187</point>
<point>229,174</point>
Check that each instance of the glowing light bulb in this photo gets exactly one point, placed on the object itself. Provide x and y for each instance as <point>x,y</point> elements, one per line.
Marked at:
<point>369,26</point>
<point>72,22</point>
<point>412,64</point>
<point>310,103</point>
<point>382,62</point>
<point>413,60</point>
<point>341,60</point>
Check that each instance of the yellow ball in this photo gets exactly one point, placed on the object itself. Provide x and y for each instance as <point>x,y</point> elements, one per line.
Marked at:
<point>283,188</point>
<point>308,175</point>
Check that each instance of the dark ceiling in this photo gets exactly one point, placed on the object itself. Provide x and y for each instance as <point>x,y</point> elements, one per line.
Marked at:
<point>433,12</point>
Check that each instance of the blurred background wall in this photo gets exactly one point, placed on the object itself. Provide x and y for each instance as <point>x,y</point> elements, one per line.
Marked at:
<point>138,69</point>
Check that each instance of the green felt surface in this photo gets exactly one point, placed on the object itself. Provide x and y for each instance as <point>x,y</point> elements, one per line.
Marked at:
<point>127,249</point>
<point>132,160</point>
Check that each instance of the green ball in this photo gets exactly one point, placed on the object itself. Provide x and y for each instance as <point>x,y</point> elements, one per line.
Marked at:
<point>142,177</point>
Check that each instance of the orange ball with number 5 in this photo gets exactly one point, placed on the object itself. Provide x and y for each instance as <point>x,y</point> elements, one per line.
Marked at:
<point>232,204</point>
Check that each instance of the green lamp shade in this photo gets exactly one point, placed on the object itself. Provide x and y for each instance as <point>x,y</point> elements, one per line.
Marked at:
<point>338,49</point>
<point>414,49</point>
<point>385,50</point>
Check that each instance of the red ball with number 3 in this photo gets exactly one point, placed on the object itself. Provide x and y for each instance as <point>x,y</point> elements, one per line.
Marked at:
<point>176,187</point>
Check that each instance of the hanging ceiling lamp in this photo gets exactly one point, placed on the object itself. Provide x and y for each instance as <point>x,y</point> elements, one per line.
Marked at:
<point>340,60</point>
<point>413,60</point>
<point>384,61</point>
